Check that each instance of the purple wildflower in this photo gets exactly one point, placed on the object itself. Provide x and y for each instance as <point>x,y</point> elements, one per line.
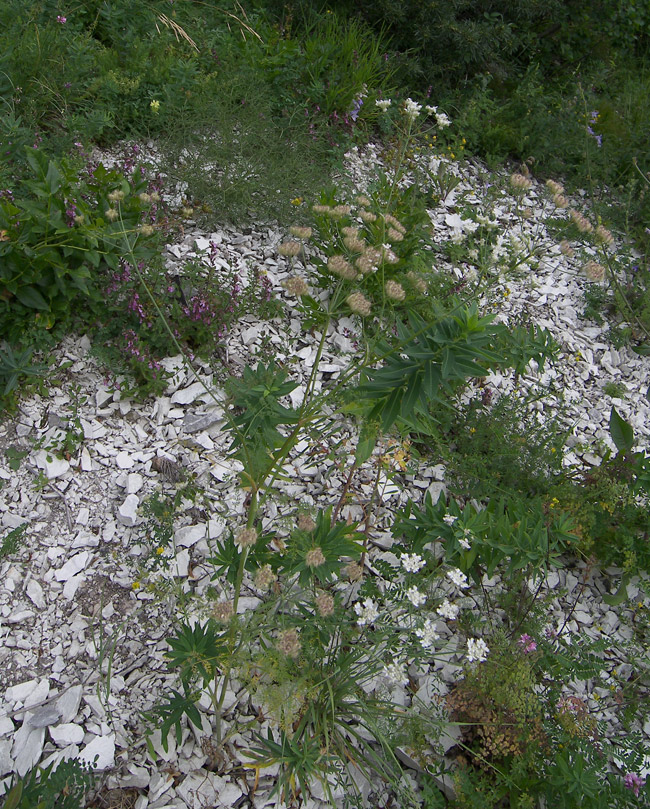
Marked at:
<point>634,782</point>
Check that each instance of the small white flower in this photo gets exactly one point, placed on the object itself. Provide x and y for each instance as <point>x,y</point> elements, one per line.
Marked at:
<point>458,577</point>
<point>427,634</point>
<point>368,612</point>
<point>412,562</point>
<point>412,109</point>
<point>448,610</point>
<point>395,674</point>
<point>416,597</point>
<point>431,110</point>
<point>477,650</point>
<point>450,519</point>
<point>442,120</point>
<point>383,104</point>
<point>464,540</point>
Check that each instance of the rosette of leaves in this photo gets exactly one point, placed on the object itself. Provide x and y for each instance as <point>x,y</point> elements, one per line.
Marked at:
<point>336,543</point>
<point>256,414</point>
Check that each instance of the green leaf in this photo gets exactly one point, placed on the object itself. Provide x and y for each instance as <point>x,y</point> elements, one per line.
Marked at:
<point>366,443</point>
<point>617,598</point>
<point>53,177</point>
<point>32,298</point>
<point>621,432</point>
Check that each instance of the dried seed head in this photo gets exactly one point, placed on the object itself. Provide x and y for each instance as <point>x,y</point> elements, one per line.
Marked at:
<point>365,265</point>
<point>300,232</point>
<point>353,571</point>
<point>389,219</point>
<point>325,605</point>
<point>296,286</point>
<point>265,577</point>
<point>603,235</point>
<point>354,244</point>
<point>222,611</point>
<point>594,271</point>
<point>519,182</point>
<point>315,558</point>
<point>581,222</point>
<point>111,214</point>
<point>350,231</point>
<point>363,200</point>
<point>290,249</point>
<point>395,291</point>
<point>324,209</point>
<point>289,643</point>
<point>359,304</point>
<point>338,211</point>
<point>305,523</point>
<point>246,538</point>
<point>394,235</point>
<point>367,216</point>
<point>340,266</point>
<point>560,201</point>
<point>116,196</point>
<point>187,211</point>
<point>419,283</point>
<point>146,230</point>
<point>144,197</point>
<point>566,248</point>
<point>554,188</point>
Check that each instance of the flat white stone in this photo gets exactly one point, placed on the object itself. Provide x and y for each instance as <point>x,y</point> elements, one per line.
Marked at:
<point>20,692</point>
<point>86,461</point>
<point>189,535</point>
<point>6,726</point>
<point>6,761</point>
<point>124,460</point>
<point>52,466</point>
<point>27,748</point>
<point>83,515</point>
<point>100,752</point>
<point>189,394</point>
<point>35,594</point>
<point>71,586</point>
<point>68,703</point>
<point>72,566</point>
<point>134,483</point>
<point>127,513</point>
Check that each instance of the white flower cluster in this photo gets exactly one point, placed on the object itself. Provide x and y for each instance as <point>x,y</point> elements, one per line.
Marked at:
<point>395,674</point>
<point>368,612</point>
<point>412,109</point>
<point>427,634</point>
<point>458,578</point>
<point>383,104</point>
<point>448,610</point>
<point>412,562</point>
<point>464,540</point>
<point>450,519</point>
<point>441,119</point>
<point>477,650</point>
<point>416,597</point>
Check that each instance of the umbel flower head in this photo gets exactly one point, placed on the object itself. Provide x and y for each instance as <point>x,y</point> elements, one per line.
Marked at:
<point>594,271</point>
<point>315,558</point>
<point>289,643</point>
<point>305,523</point>
<point>246,538</point>
<point>395,291</point>
<point>325,605</point>
<point>340,266</point>
<point>296,286</point>
<point>290,249</point>
<point>222,611</point>
<point>265,577</point>
<point>359,304</point>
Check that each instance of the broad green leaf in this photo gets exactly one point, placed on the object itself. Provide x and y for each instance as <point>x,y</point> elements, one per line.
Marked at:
<point>617,598</point>
<point>621,432</point>
<point>32,298</point>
